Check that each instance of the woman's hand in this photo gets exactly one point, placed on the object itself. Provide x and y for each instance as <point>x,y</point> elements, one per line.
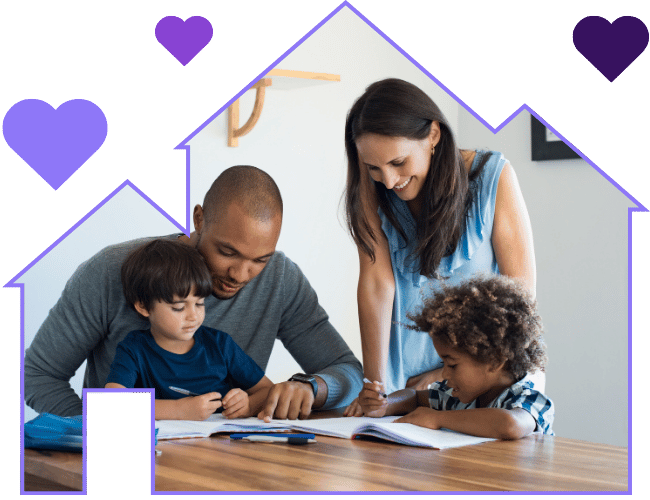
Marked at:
<point>421,382</point>
<point>372,400</point>
<point>375,297</point>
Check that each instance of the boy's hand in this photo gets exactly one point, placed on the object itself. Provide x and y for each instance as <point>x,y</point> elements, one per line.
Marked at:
<point>236,404</point>
<point>372,401</point>
<point>199,407</point>
<point>422,416</point>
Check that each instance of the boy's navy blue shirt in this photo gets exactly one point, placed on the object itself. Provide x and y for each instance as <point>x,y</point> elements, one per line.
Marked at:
<point>214,364</point>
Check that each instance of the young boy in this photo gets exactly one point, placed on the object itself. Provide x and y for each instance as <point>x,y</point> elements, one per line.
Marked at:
<point>167,281</point>
<point>489,336</point>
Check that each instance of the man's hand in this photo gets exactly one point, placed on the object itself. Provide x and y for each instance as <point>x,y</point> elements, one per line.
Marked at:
<point>236,404</point>
<point>199,407</point>
<point>422,416</point>
<point>290,400</point>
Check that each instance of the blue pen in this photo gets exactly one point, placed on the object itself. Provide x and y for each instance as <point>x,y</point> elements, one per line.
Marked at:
<point>185,392</point>
<point>261,437</point>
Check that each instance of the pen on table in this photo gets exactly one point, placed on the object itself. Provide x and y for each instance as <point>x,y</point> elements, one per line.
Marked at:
<point>369,382</point>
<point>275,438</point>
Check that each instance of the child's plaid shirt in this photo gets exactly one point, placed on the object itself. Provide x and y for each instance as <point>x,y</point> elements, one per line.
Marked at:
<point>521,394</point>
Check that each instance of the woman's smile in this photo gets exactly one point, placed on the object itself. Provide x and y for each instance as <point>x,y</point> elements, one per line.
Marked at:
<point>403,185</point>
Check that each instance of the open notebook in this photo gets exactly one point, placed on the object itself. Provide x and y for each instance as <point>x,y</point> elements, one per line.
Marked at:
<point>174,429</point>
<point>346,428</point>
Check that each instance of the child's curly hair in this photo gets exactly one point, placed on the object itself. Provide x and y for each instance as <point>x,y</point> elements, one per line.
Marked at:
<point>493,319</point>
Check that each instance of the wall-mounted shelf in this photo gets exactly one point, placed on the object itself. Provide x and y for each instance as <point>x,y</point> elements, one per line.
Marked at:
<point>280,79</point>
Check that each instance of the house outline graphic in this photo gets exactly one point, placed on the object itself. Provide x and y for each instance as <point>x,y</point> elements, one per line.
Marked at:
<point>186,226</point>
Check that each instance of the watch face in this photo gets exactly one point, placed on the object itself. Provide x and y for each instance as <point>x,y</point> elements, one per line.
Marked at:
<point>307,379</point>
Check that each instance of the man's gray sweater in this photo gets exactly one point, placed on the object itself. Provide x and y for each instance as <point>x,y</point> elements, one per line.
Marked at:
<point>92,317</point>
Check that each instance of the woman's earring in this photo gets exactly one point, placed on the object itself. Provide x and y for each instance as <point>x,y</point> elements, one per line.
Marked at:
<point>433,150</point>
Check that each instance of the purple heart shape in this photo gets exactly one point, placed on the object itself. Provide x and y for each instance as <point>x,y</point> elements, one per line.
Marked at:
<point>184,39</point>
<point>611,48</point>
<point>55,142</point>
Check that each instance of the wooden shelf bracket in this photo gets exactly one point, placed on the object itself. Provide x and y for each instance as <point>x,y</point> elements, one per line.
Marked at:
<point>234,133</point>
<point>286,79</point>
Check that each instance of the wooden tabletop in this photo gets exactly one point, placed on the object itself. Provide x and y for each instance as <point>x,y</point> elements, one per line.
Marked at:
<point>47,470</point>
<point>535,463</point>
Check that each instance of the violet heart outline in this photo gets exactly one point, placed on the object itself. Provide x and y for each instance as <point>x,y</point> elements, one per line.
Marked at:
<point>55,143</point>
<point>610,47</point>
<point>184,39</point>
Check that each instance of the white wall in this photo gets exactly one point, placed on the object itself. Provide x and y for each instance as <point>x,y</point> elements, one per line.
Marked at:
<point>579,219</point>
<point>125,217</point>
<point>579,225</point>
<point>579,222</point>
<point>299,141</point>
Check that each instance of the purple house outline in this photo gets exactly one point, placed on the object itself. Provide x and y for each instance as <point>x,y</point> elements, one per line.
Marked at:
<point>14,283</point>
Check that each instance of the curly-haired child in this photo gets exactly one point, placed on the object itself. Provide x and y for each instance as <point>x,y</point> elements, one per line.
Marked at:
<point>489,336</point>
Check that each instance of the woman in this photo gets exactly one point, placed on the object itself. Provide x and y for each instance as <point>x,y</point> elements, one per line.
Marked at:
<point>423,213</point>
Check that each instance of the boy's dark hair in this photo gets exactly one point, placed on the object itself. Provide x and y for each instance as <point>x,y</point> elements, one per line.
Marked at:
<point>161,269</point>
<point>494,320</point>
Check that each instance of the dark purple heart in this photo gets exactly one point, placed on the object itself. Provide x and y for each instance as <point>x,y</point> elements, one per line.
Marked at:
<point>611,48</point>
<point>184,39</point>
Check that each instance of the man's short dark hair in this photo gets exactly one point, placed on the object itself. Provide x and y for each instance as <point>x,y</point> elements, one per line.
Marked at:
<point>253,188</point>
<point>493,319</point>
<point>161,269</point>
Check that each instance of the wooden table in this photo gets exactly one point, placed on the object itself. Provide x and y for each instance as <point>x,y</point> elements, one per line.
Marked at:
<point>53,471</point>
<point>535,463</point>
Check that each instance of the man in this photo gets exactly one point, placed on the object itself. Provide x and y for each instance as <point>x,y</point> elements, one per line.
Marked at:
<point>258,295</point>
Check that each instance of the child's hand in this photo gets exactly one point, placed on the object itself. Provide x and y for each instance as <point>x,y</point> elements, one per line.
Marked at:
<point>199,407</point>
<point>422,416</point>
<point>236,404</point>
<point>372,401</point>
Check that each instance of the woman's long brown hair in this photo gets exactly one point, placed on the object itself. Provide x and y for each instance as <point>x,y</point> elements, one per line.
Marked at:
<point>397,108</point>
